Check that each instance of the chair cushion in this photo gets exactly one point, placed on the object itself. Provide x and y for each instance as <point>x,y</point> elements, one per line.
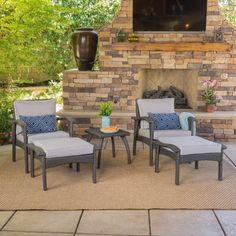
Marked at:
<point>63,147</point>
<point>34,107</point>
<point>165,121</point>
<point>165,105</point>
<point>39,124</point>
<point>165,133</point>
<point>51,135</point>
<point>193,145</point>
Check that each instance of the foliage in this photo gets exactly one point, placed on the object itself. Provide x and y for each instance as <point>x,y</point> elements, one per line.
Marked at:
<point>36,34</point>
<point>228,8</point>
<point>7,97</point>
<point>105,108</point>
<point>208,94</point>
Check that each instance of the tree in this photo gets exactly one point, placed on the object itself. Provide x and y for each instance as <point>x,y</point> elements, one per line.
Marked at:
<point>228,8</point>
<point>35,34</point>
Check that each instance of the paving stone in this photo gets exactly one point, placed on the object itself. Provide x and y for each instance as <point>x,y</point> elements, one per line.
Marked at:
<point>184,222</point>
<point>8,233</point>
<point>228,221</point>
<point>44,221</point>
<point>4,217</point>
<point>132,222</point>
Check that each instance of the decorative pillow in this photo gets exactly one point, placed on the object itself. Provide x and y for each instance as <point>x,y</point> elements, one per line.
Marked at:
<point>39,124</point>
<point>165,121</point>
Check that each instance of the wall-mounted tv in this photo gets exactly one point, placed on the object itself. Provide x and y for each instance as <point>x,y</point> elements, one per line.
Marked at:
<point>169,15</point>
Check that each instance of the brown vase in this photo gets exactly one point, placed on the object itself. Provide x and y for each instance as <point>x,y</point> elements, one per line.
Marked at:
<point>210,107</point>
<point>85,42</point>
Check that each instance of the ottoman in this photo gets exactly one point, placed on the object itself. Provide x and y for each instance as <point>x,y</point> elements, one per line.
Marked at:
<point>189,149</point>
<point>60,151</point>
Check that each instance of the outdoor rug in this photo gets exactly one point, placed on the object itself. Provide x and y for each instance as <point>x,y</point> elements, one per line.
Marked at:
<point>119,186</point>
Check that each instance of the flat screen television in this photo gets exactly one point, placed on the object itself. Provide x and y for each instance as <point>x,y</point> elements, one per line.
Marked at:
<point>169,15</point>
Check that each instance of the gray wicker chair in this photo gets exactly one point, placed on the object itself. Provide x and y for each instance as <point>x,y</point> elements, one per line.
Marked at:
<point>144,127</point>
<point>20,137</point>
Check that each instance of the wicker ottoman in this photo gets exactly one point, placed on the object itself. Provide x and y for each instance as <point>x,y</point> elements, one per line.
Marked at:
<point>189,149</point>
<point>60,151</point>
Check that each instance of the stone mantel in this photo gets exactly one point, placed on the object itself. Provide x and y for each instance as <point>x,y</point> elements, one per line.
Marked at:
<point>174,47</point>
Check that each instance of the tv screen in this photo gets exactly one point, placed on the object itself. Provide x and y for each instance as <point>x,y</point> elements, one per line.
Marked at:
<point>169,15</point>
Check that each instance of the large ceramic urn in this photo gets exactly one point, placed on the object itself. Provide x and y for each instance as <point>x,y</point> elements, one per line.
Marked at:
<point>85,42</point>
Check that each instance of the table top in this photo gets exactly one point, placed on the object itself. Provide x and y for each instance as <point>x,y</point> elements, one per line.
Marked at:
<point>97,133</point>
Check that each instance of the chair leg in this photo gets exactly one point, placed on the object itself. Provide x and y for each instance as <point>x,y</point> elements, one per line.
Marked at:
<point>77,167</point>
<point>177,167</point>
<point>151,154</point>
<point>32,154</point>
<point>196,165</point>
<point>157,159</point>
<point>220,170</point>
<point>70,165</point>
<point>44,174</point>
<point>13,151</point>
<point>26,159</point>
<point>134,146</point>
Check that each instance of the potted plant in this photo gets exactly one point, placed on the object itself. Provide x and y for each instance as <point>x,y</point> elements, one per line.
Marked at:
<point>209,95</point>
<point>105,112</point>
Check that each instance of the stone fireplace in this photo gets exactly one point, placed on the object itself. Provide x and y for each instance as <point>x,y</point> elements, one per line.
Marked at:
<point>180,59</point>
<point>161,80</point>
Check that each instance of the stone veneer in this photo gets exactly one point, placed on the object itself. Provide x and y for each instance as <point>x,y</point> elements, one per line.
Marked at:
<point>118,79</point>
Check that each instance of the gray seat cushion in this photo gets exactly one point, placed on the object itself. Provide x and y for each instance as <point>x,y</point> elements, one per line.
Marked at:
<point>192,145</point>
<point>63,147</point>
<point>165,133</point>
<point>40,136</point>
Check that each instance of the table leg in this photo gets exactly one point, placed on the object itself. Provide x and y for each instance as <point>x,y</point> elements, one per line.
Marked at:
<point>113,147</point>
<point>196,164</point>
<point>124,139</point>
<point>100,152</point>
<point>220,170</point>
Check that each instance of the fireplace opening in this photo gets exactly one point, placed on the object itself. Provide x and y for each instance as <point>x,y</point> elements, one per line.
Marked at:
<point>180,84</point>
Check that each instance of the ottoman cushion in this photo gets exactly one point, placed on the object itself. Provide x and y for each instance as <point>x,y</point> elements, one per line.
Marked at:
<point>63,147</point>
<point>192,145</point>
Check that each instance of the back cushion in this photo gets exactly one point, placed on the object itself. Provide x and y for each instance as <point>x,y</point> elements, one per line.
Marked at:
<point>165,121</point>
<point>34,107</point>
<point>40,124</point>
<point>145,106</point>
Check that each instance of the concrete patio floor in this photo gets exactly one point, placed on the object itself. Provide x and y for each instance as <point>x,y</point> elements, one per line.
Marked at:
<point>120,222</point>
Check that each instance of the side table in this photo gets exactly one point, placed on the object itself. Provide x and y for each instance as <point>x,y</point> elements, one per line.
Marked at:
<point>95,132</point>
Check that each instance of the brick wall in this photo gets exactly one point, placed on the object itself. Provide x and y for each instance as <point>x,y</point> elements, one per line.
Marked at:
<point>118,76</point>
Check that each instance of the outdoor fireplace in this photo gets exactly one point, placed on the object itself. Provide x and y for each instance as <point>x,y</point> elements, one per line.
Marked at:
<point>169,83</point>
<point>181,102</point>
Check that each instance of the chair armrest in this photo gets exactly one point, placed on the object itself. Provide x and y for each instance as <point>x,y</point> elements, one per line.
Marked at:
<point>20,123</point>
<point>167,145</point>
<point>192,125</point>
<point>70,122</point>
<point>143,118</point>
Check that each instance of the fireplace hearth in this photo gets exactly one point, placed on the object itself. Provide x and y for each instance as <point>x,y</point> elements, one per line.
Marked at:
<point>181,101</point>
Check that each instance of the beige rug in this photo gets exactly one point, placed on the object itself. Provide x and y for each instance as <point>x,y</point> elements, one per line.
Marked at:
<point>120,186</point>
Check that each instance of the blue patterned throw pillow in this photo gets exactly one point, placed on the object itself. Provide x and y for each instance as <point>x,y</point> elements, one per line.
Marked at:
<point>39,124</point>
<point>165,121</point>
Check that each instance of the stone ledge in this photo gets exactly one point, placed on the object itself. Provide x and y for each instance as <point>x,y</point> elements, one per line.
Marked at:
<point>122,114</point>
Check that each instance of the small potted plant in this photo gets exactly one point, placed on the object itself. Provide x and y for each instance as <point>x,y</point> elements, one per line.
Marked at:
<point>209,95</point>
<point>105,112</point>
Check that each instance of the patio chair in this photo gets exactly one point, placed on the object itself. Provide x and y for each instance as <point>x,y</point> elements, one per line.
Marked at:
<point>144,125</point>
<point>39,110</point>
